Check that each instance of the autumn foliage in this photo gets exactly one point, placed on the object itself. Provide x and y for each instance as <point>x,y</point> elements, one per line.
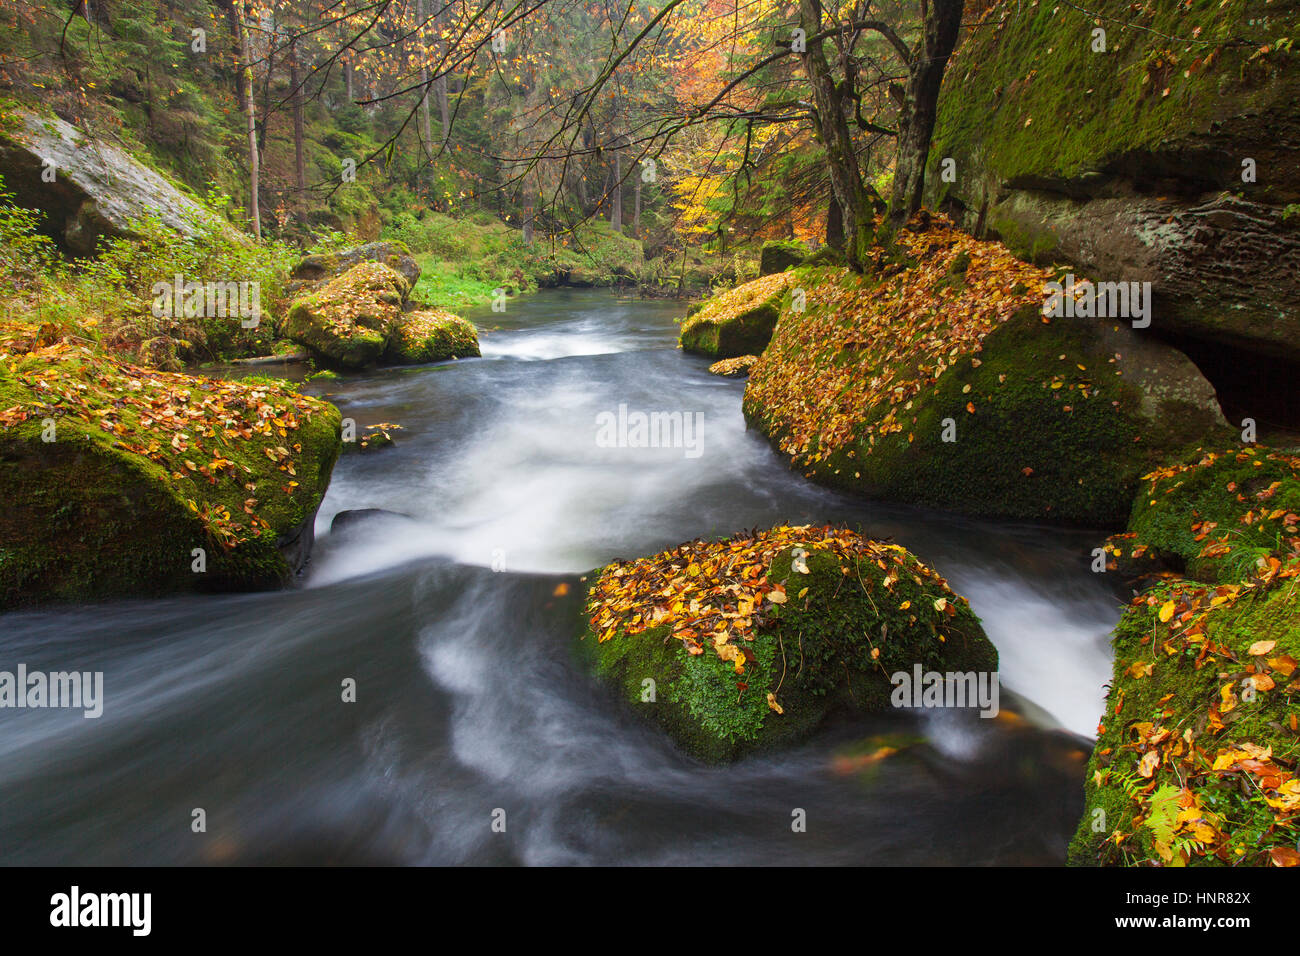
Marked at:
<point>1197,752</point>
<point>907,329</point>
<point>759,636</point>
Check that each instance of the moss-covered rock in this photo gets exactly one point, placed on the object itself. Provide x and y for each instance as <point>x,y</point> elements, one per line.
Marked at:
<point>1196,751</point>
<point>739,321</point>
<point>744,644</point>
<point>122,481</point>
<point>430,335</point>
<point>1142,161</point>
<point>935,379</point>
<point>346,323</point>
<point>596,255</point>
<point>1215,516</point>
<point>779,254</point>
<point>1197,748</point>
<point>321,267</point>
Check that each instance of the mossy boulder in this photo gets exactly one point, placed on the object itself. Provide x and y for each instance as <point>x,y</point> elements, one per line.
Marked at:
<point>1144,161</point>
<point>779,255</point>
<point>935,379</point>
<point>745,644</point>
<point>125,481</point>
<point>1216,515</point>
<point>430,335</point>
<point>101,191</point>
<point>739,321</point>
<point>321,267</point>
<point>1196,751</point>
<point>346,323</point>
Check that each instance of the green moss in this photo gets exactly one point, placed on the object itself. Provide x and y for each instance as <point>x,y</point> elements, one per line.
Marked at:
<point>779,255</point>
<point>1178,696</point>
<point>1216,516</point>
<point>430,336</point>
<point>1040,422</point>
<point>814,655</point>
<point>1027,97</point>
<point>93,517</point>
<point>737,322</point>
<point>346,323</point>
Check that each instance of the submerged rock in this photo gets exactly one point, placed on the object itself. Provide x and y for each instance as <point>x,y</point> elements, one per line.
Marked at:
<point>430,335</point>
<point>348,521</point>
<point>124,481</point>
<point>747,643</point>
<point>739,321</point>
<point>935,379</point>
<point>346,323</point>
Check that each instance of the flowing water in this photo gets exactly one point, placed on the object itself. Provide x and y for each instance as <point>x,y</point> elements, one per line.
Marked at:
<point>449,618</point>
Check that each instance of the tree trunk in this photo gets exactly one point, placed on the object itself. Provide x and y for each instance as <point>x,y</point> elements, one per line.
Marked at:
<point>636,206</point>
<point>426,123</point>
<point>250,114</point>
<point>440,87</point>
<point>266,87</point>
<point>616,210</point>
<point>920,106</point>
<point>347,76</point>
<point>444,110</point>
<point>299,157</point>
<point>834,226</point>
<point>856,200</point>
<point>530,212</point>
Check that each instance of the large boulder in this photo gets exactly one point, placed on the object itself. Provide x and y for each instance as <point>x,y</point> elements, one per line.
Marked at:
<point>1196,747</point>
<point>121,480</point>
<point>1214,516</point>
<point>346,323</point>
<point>321,267</point>
<point>747,643</point>
<point>1163,160</point>
<point>936,379</point>
<point>430,335</point>
<point>779,255</point>
<point>739,321</point>
<point>98,189</point>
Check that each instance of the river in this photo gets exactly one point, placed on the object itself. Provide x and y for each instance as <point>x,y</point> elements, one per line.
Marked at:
<point>454,625</point>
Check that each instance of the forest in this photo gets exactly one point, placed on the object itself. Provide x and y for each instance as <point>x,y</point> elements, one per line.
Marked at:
<point>527,432</point>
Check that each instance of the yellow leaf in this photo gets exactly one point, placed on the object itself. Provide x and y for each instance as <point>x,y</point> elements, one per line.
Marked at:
<point>1166,611</point>
<point>1147,765</point>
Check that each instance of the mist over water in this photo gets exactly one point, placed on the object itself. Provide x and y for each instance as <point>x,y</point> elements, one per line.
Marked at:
<point>468,696</point>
